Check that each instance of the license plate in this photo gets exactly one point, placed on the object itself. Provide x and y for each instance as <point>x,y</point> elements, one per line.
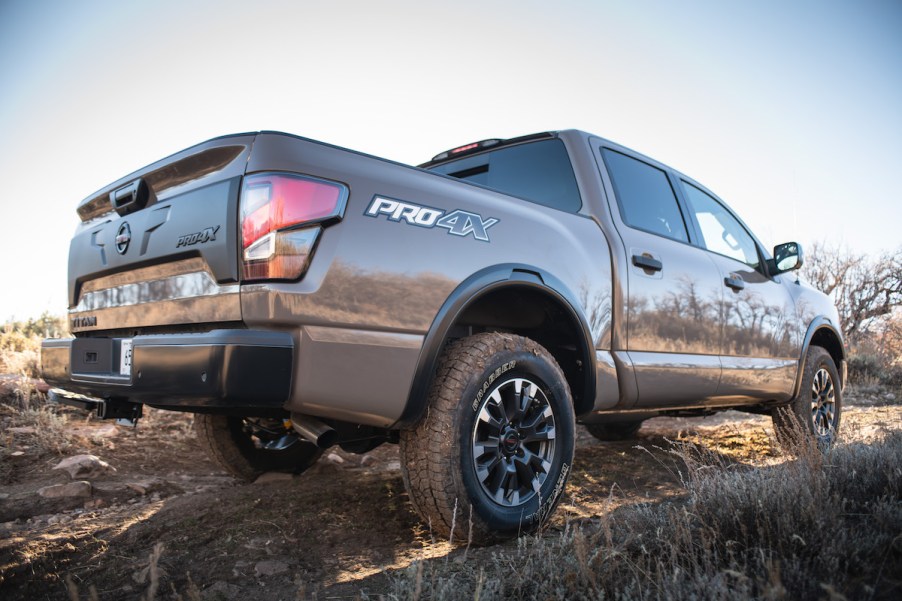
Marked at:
<point>125,358</point>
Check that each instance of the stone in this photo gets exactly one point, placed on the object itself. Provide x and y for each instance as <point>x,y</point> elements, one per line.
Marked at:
<point>84,466</point>
<point>334,458</point>
<point>79,488</point>
<point>95,504</point>
<point>220,590</point>
<point>270,567</point>
<point>139,487</point>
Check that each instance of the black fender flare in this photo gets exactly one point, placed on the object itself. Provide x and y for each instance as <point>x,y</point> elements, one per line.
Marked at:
<point>818,324</point>
<point>472,289</point>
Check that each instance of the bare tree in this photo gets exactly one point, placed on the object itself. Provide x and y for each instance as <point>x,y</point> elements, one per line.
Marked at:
<point>864,289</point>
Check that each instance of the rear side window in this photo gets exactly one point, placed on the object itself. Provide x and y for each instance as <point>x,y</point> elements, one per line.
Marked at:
<point>537,171</point>
<point>645,197</point>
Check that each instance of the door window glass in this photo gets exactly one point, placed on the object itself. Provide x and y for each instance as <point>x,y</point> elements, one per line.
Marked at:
<point>721,231</point>
<point>645,197</point>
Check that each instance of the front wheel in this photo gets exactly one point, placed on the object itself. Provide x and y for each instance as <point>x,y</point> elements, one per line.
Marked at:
<point>248,446</point>
<point>496,443</point>
<point>815,411</point>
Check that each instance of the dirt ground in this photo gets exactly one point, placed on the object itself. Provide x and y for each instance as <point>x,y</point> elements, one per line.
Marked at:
<point>168,523</point>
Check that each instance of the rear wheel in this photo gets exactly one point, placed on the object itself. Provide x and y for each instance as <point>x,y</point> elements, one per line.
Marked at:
<point>615,430</point>
<point>496,443</point>
<point>815,412</point>
<point>249,446</point>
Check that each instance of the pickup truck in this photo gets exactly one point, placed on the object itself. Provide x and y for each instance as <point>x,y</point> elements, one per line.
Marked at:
<point>296,295</point>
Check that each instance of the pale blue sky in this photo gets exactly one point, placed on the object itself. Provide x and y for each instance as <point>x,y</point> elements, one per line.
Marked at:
<point>790,111</point>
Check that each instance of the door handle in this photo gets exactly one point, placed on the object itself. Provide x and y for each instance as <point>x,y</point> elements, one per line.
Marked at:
<point>647,263</point>
<point>735,282</point>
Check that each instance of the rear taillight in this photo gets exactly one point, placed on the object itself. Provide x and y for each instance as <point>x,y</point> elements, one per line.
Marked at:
<point>282,216</point>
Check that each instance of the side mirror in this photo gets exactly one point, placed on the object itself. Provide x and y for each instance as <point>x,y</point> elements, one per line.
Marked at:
<point>787,256</point>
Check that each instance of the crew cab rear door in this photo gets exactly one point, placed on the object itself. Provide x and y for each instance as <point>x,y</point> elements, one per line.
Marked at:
<point>673,304</point>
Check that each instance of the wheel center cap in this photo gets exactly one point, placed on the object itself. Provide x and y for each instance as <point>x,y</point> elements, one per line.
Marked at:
<point>510,441</point>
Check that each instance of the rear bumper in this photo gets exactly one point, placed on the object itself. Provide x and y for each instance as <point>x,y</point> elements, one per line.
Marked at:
<point>245,371</point>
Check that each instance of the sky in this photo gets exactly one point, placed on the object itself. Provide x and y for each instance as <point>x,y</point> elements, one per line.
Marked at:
<point>791,111</point>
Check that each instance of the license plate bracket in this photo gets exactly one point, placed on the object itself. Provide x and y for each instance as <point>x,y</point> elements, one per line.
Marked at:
<point>125,357</point>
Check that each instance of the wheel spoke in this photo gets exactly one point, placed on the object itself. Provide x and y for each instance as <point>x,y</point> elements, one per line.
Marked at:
<point>498,403</point>
<point>486,469</point>
<point>486,446</point>
<point>490,420</point>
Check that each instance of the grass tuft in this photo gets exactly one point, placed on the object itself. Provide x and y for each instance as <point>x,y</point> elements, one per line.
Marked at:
<point>818,526</point>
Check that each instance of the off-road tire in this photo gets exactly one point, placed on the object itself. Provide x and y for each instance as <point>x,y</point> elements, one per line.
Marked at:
<point>227,442</point>
<point>814,414</point>
<point>441,457</point>
<point>615,430</point>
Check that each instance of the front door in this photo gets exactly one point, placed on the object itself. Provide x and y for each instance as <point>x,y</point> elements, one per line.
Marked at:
<point>759,352</point>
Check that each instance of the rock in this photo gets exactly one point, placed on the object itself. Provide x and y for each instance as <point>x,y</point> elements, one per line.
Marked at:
<point>95,504</point>
<point>139,487</point>
<point>4,496</point>
<point>270,567</point>
<point>79,488</point>
<point>144,487</point>
<point>17,453</point>
<point>270,477</point>
<point>84,466</point>
<point>367,460</point>
<point>334,458</point>
<point>220,590</point>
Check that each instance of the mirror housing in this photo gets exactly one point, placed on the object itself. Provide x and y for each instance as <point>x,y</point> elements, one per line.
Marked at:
<point>787,256</point>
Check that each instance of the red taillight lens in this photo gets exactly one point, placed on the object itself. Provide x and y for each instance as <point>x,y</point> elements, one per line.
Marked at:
<point>281,217</point>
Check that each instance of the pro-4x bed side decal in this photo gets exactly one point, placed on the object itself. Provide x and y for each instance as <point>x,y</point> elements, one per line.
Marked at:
<point>457,222</point>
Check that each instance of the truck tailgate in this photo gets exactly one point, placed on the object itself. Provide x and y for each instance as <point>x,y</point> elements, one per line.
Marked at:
<point>159,246</point>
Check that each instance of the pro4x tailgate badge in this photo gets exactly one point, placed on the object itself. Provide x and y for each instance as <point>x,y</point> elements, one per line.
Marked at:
<point>457,222</point>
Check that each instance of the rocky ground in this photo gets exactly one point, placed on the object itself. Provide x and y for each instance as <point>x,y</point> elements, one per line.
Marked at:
<point>90,509</point>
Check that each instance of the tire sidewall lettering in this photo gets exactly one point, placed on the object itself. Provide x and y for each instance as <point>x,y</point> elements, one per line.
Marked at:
<point>480,393</point>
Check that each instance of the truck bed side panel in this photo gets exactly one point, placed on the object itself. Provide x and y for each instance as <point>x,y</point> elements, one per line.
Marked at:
<point>391,278</point>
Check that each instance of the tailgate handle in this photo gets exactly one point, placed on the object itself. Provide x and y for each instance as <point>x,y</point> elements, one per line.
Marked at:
<point>130,197</point>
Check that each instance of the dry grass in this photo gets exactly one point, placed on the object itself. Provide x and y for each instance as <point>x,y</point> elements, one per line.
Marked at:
<point>817,527</point>
<point>20,354</point>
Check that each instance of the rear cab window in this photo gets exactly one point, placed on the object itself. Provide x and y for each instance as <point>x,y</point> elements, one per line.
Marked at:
<point>645,197</point>
<point>536,171</point>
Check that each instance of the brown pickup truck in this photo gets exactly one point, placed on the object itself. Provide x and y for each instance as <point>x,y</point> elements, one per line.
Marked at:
<point>295,295</point>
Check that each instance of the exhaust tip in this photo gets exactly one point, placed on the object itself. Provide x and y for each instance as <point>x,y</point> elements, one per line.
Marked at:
<point>314,431</point>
